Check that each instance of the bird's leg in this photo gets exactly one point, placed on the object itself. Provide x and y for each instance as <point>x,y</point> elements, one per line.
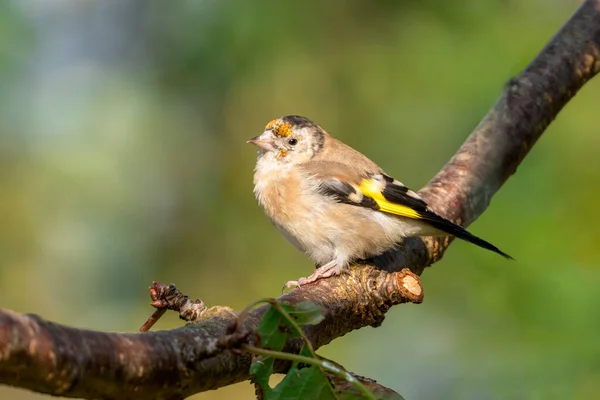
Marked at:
<point>332,268</point>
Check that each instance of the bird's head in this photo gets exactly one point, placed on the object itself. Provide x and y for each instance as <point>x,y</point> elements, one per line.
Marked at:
<point>290,139</point>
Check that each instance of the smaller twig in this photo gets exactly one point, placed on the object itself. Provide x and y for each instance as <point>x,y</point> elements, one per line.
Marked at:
<point>325,365</point>
<point>168,297</point>
<point>153,319</point>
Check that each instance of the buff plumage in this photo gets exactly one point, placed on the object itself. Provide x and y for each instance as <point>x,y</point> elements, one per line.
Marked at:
<point>333,203</point>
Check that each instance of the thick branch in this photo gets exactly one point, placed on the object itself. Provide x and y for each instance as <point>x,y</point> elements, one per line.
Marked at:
<point>55,359</point>
<point>65,361</point>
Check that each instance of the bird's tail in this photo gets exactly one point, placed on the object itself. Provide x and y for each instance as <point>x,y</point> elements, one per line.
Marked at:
<point>451,228</point>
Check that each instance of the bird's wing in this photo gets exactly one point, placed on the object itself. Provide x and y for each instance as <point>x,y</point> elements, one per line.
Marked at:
<point>392,196</point>
<point>372,189</point>
<point>378,191</point>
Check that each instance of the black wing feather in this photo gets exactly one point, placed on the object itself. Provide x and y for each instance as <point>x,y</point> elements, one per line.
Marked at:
<point>344,192</point>
<point>395,192</point>
<point>399,194</point>
<point>458,231</point>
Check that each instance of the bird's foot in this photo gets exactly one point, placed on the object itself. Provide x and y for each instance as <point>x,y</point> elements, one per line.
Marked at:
<point>332,268</point>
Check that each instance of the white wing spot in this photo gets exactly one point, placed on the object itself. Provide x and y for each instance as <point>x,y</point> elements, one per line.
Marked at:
<point>356,197</point>
<point>413,195</point>
<point>379,181</point>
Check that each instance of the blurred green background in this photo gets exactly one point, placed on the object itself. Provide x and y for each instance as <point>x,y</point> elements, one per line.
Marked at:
<point>123,160</point>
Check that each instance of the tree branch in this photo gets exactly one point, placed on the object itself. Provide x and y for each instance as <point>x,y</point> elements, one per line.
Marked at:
<point>59,360</point>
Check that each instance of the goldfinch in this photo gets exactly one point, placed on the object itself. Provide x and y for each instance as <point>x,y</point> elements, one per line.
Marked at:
<point>333,203</point>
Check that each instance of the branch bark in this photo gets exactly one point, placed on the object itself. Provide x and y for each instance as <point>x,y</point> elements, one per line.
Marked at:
<point>54,359</point>
<point>59,360</point>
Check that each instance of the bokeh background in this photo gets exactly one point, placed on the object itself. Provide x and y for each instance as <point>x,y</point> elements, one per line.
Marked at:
<point>123,160</point>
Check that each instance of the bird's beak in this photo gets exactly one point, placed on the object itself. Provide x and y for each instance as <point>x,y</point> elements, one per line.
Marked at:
<point>264,141</point>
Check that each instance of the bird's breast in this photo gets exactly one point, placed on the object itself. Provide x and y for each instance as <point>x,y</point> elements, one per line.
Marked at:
<point>318,225</point>
<point>280,193</point>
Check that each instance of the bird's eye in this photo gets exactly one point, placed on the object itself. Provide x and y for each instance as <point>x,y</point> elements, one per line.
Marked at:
<point>293,141</point>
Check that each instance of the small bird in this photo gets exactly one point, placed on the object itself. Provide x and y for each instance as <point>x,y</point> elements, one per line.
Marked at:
<point>333,203</point>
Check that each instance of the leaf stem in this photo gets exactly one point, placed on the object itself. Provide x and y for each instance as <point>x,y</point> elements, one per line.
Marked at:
<point>293,323</point>
<point>326,365</point>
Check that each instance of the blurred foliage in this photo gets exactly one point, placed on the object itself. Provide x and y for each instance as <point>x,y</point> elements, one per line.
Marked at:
<point>123,160</point>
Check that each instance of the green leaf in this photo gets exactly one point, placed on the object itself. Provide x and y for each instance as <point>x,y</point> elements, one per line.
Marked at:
<point>347,391</point>
<point>274,331</point>
<point>304,383</point>
<point>260,371</point>
<point>307,313</point>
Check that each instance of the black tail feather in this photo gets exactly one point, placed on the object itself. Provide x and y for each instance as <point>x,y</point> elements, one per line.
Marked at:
<point>458,231</point>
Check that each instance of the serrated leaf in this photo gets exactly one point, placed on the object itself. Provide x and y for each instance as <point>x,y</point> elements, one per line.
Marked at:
<point>304,383</point>
<point>261,369</point>
<point>307,313</point>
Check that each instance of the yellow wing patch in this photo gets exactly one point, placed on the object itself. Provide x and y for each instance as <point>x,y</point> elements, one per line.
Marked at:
<point>372,189</point>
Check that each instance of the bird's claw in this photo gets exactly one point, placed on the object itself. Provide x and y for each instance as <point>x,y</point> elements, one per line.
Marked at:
<point>296,284</point>
<point>289,285</point>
